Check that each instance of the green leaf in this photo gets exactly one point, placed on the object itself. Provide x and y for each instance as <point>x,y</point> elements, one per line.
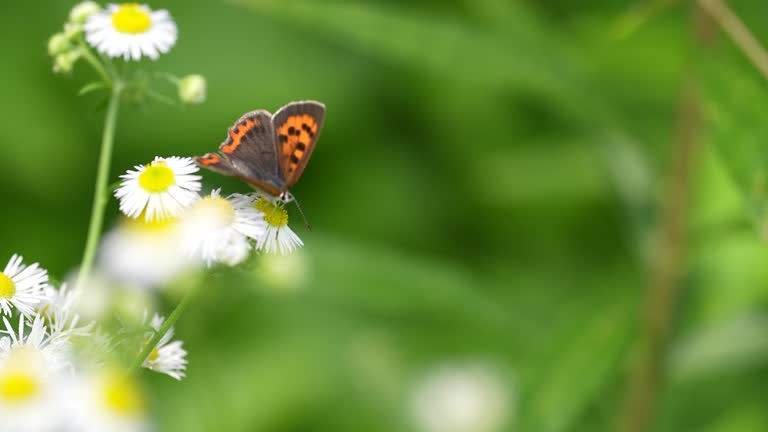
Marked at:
<point>92,87</point>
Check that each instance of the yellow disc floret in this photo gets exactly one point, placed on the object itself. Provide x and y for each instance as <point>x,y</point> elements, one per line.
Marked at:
<point>131,18</point>
<point>216,210</point>
<point>274,215</point>
<point>7,287</point>
<point>122,395</point>
<point>17,386</point>
<point>157,177</point>
<point>154,354</point>
<point>154,226</point>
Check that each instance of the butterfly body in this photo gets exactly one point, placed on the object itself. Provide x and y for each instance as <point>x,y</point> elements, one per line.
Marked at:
<point>269,152</point>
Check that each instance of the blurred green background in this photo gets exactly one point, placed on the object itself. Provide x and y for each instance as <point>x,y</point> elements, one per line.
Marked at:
<point>485,191</point>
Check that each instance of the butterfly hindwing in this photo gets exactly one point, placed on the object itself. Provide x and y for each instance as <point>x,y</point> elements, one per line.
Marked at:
<point>296,127</point>
<point>250,146</point>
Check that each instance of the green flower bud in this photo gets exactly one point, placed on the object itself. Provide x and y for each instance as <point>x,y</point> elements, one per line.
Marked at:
<point>72,30</point>
<point>80,13</point>
<point>192,89</point>
<point>63,63</point>
<point>58,44</point>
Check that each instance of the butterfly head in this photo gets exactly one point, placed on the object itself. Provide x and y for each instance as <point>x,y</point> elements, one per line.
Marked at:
<point>285,197</point>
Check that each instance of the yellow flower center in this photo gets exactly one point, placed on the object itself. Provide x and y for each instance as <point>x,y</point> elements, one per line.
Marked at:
<point>274,215</point>
<point>217,210</point>
<point>154,354</point>
<point>156,178</point>
<point>18,386</point>
<point>122,395</point>
<point>131,18</point>
<point>156,225</point>
<point>7,287</point>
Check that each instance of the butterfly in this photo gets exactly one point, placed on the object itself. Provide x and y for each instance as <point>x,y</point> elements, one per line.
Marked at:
<point>269,152</point>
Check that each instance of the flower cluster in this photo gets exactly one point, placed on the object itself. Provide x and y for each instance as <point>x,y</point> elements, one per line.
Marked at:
<point>127,31</point>
<point>53,362</point>
<point>68,357</point>
<point>169,222</point>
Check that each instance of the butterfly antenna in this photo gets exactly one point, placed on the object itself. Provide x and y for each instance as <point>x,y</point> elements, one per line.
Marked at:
<point>306,222</point>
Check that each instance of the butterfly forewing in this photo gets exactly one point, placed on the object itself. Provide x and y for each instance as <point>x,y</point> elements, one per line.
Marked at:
<point>218,163</point>
<point>250,146</point>
<point>297,126</point>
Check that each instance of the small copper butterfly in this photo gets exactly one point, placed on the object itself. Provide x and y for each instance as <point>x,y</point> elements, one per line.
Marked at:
<point>269,152</point>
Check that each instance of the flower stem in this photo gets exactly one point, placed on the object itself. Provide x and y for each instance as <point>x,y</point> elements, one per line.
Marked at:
<point>167,324</point>
<point>97,65</point>
<point>739,33</point>
<point>646,377</point>
<point>100,195</point>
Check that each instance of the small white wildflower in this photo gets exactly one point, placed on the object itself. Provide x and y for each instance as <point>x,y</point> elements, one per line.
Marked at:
<point>28,391</point>
<point>143,253</point>
<point>192,89</point>
<point>21,287</point>
<point>278,237</point>
<point>60,308</point>
<point>52,353</point>
<point>166,357</point>
<point>160,189</point>
<point>107,400</point>
<point>460,398</point>
<point>216,229</point>
<point>131,30</point>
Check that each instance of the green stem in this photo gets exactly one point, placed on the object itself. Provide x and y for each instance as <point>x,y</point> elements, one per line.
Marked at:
<point>167,324</point>
<point>101,194</point>
<point>97,65</point>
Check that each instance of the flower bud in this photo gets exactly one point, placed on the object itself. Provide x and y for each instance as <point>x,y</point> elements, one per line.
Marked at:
<point>80,13</point>
<point>73,30</point>
<point>58,44</point>
<point>63,63</point>
<point>192,89</point>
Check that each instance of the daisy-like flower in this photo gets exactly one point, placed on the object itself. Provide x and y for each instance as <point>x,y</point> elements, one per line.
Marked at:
<point>166,357</point>
<point>217,229</point>
<point>160,189</point>
<point>130,31</point>
<point>53,353</point>
<point>60,311</point>
<point>279,237</point>
<point>143,253</point>
<point>21,287</point>
<point>107,400</point>
<point>29,391</point>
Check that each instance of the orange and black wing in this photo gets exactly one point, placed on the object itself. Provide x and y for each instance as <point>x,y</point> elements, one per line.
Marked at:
<point>218,163</point>
<point>249,152</point>
<point>297,126</point>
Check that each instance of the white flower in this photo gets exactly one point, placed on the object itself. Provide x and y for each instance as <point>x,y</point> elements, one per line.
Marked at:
<point>166,357</point>
<point>21,287</point>
<point>107,400</point>
<point>160,189</point>
<point>460,398</point>
<point>192,89</point>
<point>61,310</point>
<point>52,353</point>
<point>216,229</point>
<point>28,391</point>
<point>130,30</point>
<point>278,237</point>
<point>144,253</point>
